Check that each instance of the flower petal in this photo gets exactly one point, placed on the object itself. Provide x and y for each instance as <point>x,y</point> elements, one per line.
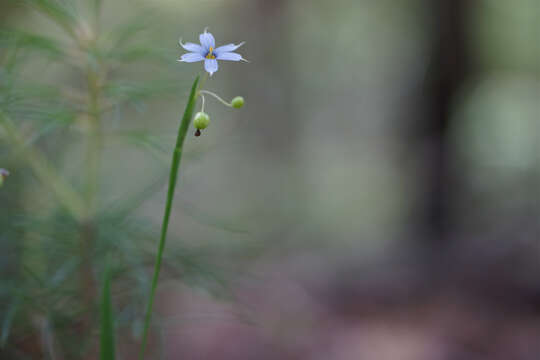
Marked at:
<point>211,66</point>
<point>231,56</point>
<point>207,40</point>
<point>196,48</point>
<point>228,48</point>
<point>191,57</point>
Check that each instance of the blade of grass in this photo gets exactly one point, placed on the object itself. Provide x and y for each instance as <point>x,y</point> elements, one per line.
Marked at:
<point>107,350</point>
<point>177,156</point>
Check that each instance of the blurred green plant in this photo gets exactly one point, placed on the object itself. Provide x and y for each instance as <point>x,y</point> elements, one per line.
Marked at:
<point>57,249</point>
<point>107,346</point>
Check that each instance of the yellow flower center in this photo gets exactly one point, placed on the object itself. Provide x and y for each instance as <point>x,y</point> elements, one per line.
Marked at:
<point>211,54</point>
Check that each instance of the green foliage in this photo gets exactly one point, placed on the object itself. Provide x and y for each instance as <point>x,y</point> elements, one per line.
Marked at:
<point>107,346</point>
<point>18,39</point>
<point>57,89</point>
<point>61,12</point>
<point>175,166</point>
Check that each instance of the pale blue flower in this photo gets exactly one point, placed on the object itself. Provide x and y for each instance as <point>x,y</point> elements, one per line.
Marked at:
<point>208,52</point>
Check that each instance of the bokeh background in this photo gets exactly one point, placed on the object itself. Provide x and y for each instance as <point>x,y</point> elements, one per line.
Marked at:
<point>378,197</point>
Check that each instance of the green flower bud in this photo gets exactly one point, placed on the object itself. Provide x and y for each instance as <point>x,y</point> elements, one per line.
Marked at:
<point>201,121</point>
<point>237,102</point>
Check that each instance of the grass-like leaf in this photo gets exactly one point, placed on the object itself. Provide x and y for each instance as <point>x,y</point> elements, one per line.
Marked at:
<point>177,156</point>
<point>107,348</point>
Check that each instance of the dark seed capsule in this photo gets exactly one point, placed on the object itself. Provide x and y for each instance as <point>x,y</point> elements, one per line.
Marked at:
<point>198,132</point>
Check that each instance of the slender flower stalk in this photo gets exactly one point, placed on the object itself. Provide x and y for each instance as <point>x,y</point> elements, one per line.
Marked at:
<point>216,96</point>
<point>203,101</point>
<point>173,176</point>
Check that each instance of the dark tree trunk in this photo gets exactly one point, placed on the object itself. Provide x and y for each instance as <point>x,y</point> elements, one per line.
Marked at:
<point>449,69</point>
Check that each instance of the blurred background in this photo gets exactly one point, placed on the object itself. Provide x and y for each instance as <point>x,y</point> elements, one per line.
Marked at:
<point>378,197</point>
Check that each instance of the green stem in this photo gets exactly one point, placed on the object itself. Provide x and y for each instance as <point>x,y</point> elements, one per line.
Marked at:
<point>88,226</point>
<point>177,156</point>
<point>107,345</point>
<point>202,82</point>
<point>217,97</point>
<point>95,141</point>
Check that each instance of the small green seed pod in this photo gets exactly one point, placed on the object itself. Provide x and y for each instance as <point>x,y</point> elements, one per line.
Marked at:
<point>201,121</point>
<point>237,102</point>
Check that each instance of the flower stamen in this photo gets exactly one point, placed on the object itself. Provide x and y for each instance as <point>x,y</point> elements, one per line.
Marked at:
<point>210,54</point>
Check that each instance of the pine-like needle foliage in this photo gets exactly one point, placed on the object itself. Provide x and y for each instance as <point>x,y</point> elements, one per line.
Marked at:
<point>67,83</point>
